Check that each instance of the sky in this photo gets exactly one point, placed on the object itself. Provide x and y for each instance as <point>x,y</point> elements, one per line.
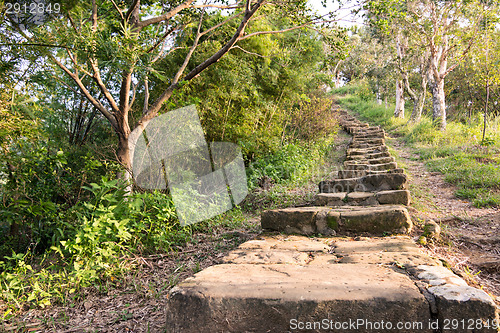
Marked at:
<point>346,19</point>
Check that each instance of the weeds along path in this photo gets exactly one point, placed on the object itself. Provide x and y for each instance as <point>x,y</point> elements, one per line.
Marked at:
<point>471,235</point>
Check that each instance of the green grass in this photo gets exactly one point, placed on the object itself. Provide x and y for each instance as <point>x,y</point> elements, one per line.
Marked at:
<point>467,162</point>
<point>477,181</point>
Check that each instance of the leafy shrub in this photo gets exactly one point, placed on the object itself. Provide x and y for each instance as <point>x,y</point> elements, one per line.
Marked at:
<point>313,119</point>
<point>106,229</point>
<point>294,163</point>
<point>40,186</point>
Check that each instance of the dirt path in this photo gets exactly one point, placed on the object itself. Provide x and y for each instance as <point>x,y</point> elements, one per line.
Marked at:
<point>471,236</point>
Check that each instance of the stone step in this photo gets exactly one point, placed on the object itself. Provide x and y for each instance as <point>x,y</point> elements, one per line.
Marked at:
<point>367,129</point>
<point>369,150</point>
<point>371,141</point>
<point>355,128</point>
<point>302,283</point>
<point>343,174</point>
<point>398,197</point>
<point>368,183</point>
<point>376,220</point>
<point>368,155</point>
<point>364,145</point>
<point>282,298</point>
<point>370,167</point>
<point>355,125</point>
<point>374,134</point>
<point>380,160</point>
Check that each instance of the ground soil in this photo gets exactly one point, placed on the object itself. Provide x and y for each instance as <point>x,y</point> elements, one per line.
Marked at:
<point>470,239</point>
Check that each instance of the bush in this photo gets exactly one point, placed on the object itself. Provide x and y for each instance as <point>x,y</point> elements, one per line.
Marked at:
<point>93,239</point>
<point>294,164</point>
<point>40,187</point>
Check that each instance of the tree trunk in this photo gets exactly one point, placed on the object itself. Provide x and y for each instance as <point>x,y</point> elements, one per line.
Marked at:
<point>438,103</point>
<point>486,109</point>
<point>124,157</point>
<point>399,111</point>
<point>418,106</point>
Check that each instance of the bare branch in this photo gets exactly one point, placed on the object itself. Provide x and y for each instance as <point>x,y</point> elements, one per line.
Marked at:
<point>161,40</point>
<point>165,17</point>
<point>87,94</point>
<point>146,96</point>
<point>125,90</point>
<point>102,87</point>
<point>131,9</point>
<point>94,16</point>
<point>134,88</point>
<point>248,52</point>
<point>118,10</point>
<point>72,22</point>
<point>191,51</point>
<point>233,6</point>
<point>221,23</point>
<point>284,30</point>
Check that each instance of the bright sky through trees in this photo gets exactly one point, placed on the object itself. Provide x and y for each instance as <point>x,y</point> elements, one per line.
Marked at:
<point>346,18</point>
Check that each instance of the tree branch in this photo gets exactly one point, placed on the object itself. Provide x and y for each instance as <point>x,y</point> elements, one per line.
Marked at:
<point>165,17</point>
<point>221,23</point>
<point>153,110</point>
<point>233,6</point>
<point>118,10</point>
<point>281,31</point>
<point>248,52</point>
<point>87,94</point>
<point>131,9</point>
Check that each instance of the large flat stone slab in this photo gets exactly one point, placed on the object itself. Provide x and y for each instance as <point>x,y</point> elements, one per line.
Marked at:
<point>363,151</point>
<point>397,251</point>
<point>365,140</point>
<point>370,167</point>
<point>273,298</point>
<point>289,243</point>
<point>376,220</point>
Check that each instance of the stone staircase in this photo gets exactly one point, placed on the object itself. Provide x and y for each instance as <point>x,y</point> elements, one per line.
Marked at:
<point>338,281</point>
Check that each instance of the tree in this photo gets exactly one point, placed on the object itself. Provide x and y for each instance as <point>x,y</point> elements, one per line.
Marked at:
<point>119,46</point>
<point>444,29</point>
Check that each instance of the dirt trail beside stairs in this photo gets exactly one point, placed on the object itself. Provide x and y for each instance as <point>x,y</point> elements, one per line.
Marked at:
<point>474,232</point>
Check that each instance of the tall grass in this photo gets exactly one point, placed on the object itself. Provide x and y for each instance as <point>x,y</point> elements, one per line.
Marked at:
<point>459,152</point>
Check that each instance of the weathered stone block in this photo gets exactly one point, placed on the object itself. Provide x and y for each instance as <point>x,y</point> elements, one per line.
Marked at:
<point>376,220</point>
<point>398,197</point>
<point>394,219</point>
<point>270,298</point>
<point>368,183</point>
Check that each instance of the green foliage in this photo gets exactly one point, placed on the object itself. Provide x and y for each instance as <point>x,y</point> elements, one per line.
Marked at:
<point>110,227</point>
<point>475,180</point>
<point>65,221</point>
<point>295,163</point>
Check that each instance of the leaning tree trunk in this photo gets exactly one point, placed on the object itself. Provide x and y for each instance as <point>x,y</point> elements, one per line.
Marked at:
<point>399,111</point>
<point>438,103</point>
